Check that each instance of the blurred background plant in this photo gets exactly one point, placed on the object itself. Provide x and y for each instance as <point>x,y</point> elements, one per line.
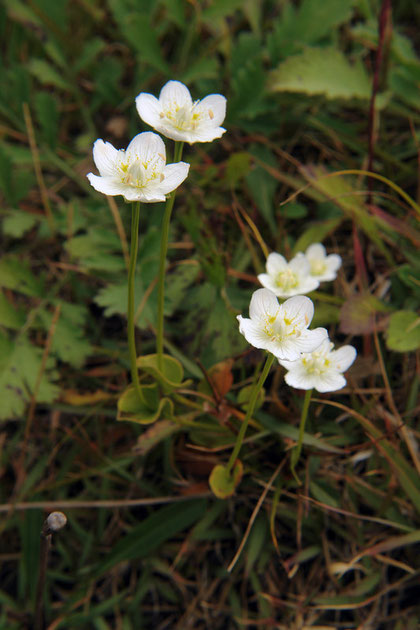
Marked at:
<point>298,76</point>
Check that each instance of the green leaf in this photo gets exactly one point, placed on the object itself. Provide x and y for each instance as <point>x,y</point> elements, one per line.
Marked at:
<point>138,29</point>
<point>323,71</point>
<point>237,167</point>
<point>248,78</point>
<point>162,525</point>
<point>169,377</point>
<point>219,9</point>
<point>306,25</point>
<point>69,342</point>
<point>262,185</point>
<point>223,482</point>
<point>403,334</point>
<point>48,75</point>
<point>16,275</point>
<point>47,114</point>
<point>130,407</point>
<point>98,249</point>
<point>9,316</point>
<point>18,222</point>
<point>20,365</point>
<point>315,233</point>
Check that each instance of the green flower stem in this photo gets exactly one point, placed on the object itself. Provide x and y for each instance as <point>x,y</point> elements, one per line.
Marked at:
<point>249,411</point>
<point>134,245</point>
<point>298,448</point>
<point>162,262</point>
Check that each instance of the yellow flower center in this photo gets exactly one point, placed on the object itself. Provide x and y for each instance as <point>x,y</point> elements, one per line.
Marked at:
<point>318,267</point>
<point>139,173</point>
<point>317,363</point>
<point>280,328</point>
<point>287,280</point>
<point>185,117</point>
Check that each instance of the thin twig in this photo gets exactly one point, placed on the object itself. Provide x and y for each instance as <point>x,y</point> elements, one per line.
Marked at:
<point>37,167</point>
<point>112,503</point>
<point>254,515</point>
<point>120,229</point>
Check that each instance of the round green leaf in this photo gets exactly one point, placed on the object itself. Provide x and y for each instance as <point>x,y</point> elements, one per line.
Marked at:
<point>222,482</point>
<point>403,332</point>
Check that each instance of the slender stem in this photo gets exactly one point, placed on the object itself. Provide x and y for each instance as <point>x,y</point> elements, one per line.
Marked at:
<point>40,587</point>
<point>162,261</point>
<point>134,245</point>
<point>298,448</point>
<point>249,411</point>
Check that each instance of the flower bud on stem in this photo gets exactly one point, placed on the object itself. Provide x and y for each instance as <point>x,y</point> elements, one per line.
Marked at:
<point>54,523</point>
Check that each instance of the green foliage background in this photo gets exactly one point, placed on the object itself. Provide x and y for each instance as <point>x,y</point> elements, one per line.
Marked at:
<point>336,552</point>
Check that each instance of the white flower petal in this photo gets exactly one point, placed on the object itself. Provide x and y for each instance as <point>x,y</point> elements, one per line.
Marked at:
<point>288,365</point>
<point>175,93</point>
<point>106,185</point>
<point>276,263</point>
<point>298,308</point>
<point>307,284</point>
<point>300,264</point>
<point>149,109</point>
<point>147,147</point>
<point>268,282</point>
<point>204,135</point>
<point>343,358</point>
<point>106,157</point>
<point>285,350</point>
<point>253,333</point>
<point>174,175</point>
<point>263,304</point>
<point>213,109</point>
<point>329,382</point>
<point>299,378</point>
<point>333,263</point>
<point>316,251</point>
<point>310,340</point>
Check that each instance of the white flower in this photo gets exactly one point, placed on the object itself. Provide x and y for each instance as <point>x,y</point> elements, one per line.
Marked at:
<point>323,267</point>
<point>140,173</point>
<point>176,116</point>
<point>321,369</point>
<point>281,329</point>
<point>285,279</point>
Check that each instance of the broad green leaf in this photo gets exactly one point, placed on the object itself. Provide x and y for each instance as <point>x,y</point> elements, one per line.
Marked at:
<point>9,316</point>
<point>223,482</point>
<point>20,365</point>
<point>69,342</point>
<point>403,334</point>
<point>219,9</point>
<point>311,22</point>
<point>47,74</point>
<point>16,275</point>
<point>323,71</point>
<point>17,223</point>
<point>169,376</point>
